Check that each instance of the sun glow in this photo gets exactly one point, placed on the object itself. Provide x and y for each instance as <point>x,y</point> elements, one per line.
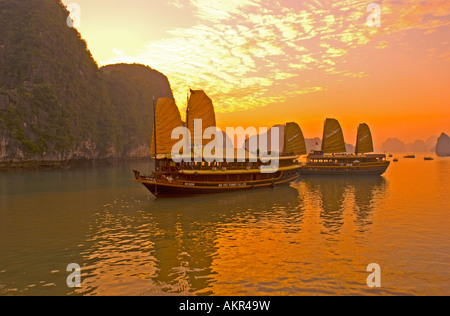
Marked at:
<point>286,60</point>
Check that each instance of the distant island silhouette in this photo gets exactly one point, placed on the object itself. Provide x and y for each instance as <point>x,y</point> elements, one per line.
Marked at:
<point>443,145</point>
<point>396,145</point>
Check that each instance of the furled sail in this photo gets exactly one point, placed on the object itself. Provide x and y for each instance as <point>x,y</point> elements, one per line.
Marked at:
<point>294,141</point>
<point>200,106</point>
<point>167,118</point>
<point>364,142</point>
<point>333,137</point>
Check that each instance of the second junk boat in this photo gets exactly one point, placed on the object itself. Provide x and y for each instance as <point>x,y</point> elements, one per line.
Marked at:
<point>333,159</point>
<point>174,179</point>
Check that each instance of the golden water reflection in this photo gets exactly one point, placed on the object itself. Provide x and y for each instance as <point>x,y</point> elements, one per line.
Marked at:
<point>334,196</point>
<point>191,246</point>
<point>316,236</point>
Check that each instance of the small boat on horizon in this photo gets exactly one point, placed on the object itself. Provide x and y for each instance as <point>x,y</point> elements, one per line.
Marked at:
<point>395,159</point>
<point>410,156</point>
<point>428,158</point>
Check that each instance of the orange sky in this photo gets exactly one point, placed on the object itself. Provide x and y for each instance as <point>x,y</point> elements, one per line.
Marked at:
<point>267,62</point>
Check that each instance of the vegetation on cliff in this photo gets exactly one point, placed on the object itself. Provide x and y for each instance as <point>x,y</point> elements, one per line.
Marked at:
<point>55,102</point>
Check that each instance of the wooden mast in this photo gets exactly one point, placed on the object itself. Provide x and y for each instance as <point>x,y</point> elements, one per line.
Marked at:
<point>154,128</point>
<point>156,151</point>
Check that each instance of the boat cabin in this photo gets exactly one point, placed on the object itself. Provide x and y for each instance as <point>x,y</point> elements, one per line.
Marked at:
<point>224,171</point>
<point>342,159</point>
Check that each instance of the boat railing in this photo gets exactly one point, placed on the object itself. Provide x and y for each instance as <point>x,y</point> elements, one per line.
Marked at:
<point>324,164</point>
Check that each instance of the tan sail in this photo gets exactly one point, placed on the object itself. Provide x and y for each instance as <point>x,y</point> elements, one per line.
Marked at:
<point>364,142</point>
<point>333,137</point>
<point>294,141</point>
<point>167,118</point>
<point>200,106</point>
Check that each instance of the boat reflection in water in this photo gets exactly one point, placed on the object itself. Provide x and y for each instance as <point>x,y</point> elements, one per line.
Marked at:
<point>336,195</point>
<point>227,244</point>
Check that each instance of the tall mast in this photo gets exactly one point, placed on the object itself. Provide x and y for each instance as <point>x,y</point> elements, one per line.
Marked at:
<point>188,139</point>
<point>187,107</point>
<point>154,132</point>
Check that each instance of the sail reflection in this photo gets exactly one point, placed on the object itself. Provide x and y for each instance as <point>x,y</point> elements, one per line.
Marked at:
<point>181,246</point>
<point>169,245</point>
<point>367,193</point>
<point>192,233</point>
<point>315,237</point>
<point>336,195</point>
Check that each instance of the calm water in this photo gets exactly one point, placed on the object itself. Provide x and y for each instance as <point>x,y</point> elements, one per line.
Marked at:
<point>316,236</point>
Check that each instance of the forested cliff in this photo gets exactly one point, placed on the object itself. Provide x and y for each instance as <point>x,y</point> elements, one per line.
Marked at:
<point>55,102</point>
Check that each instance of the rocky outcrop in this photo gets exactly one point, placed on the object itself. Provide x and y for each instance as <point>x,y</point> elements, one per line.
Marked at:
<point>443,145</point>
<point>56,104</point>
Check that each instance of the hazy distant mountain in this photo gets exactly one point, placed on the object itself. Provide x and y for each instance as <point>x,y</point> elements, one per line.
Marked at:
<point>431,143</point>
<point>313,144</point>
<point>394,145</point>
<point>443,145</point>
<point>418,146</point>
<point>316,144</point>
<point>350,148</point>
<point>268,136</point>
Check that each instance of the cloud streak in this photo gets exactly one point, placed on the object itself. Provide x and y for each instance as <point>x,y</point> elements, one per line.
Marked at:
<point>250,53</point>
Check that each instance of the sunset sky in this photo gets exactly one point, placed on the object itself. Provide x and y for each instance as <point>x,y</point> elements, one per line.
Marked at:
<point>267,62</point>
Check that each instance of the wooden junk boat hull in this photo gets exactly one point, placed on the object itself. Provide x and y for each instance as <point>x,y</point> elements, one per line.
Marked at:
<point>197,171</point>
<point>333,159</point>
<point>345,164</point>
<point>184,186</point>
<point>376,170</point>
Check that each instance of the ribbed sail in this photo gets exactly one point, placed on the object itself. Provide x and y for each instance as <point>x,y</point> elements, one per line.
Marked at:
<point>333,137</point>
<point>294,141</point>
<point>364,142</point>
<point>200,106</point>
<point>167,118</point>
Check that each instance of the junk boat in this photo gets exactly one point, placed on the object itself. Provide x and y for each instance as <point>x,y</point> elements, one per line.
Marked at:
<point>333,159</point>
<point>198,175</point>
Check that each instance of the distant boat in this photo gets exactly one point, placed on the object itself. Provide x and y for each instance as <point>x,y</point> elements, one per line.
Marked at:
<point>410,156</point>
<point>390,156</point>
<point>428,158</point>
<point>395,159</point>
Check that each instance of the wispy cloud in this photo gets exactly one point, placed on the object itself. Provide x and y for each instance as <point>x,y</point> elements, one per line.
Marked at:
<point>251,53</point>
